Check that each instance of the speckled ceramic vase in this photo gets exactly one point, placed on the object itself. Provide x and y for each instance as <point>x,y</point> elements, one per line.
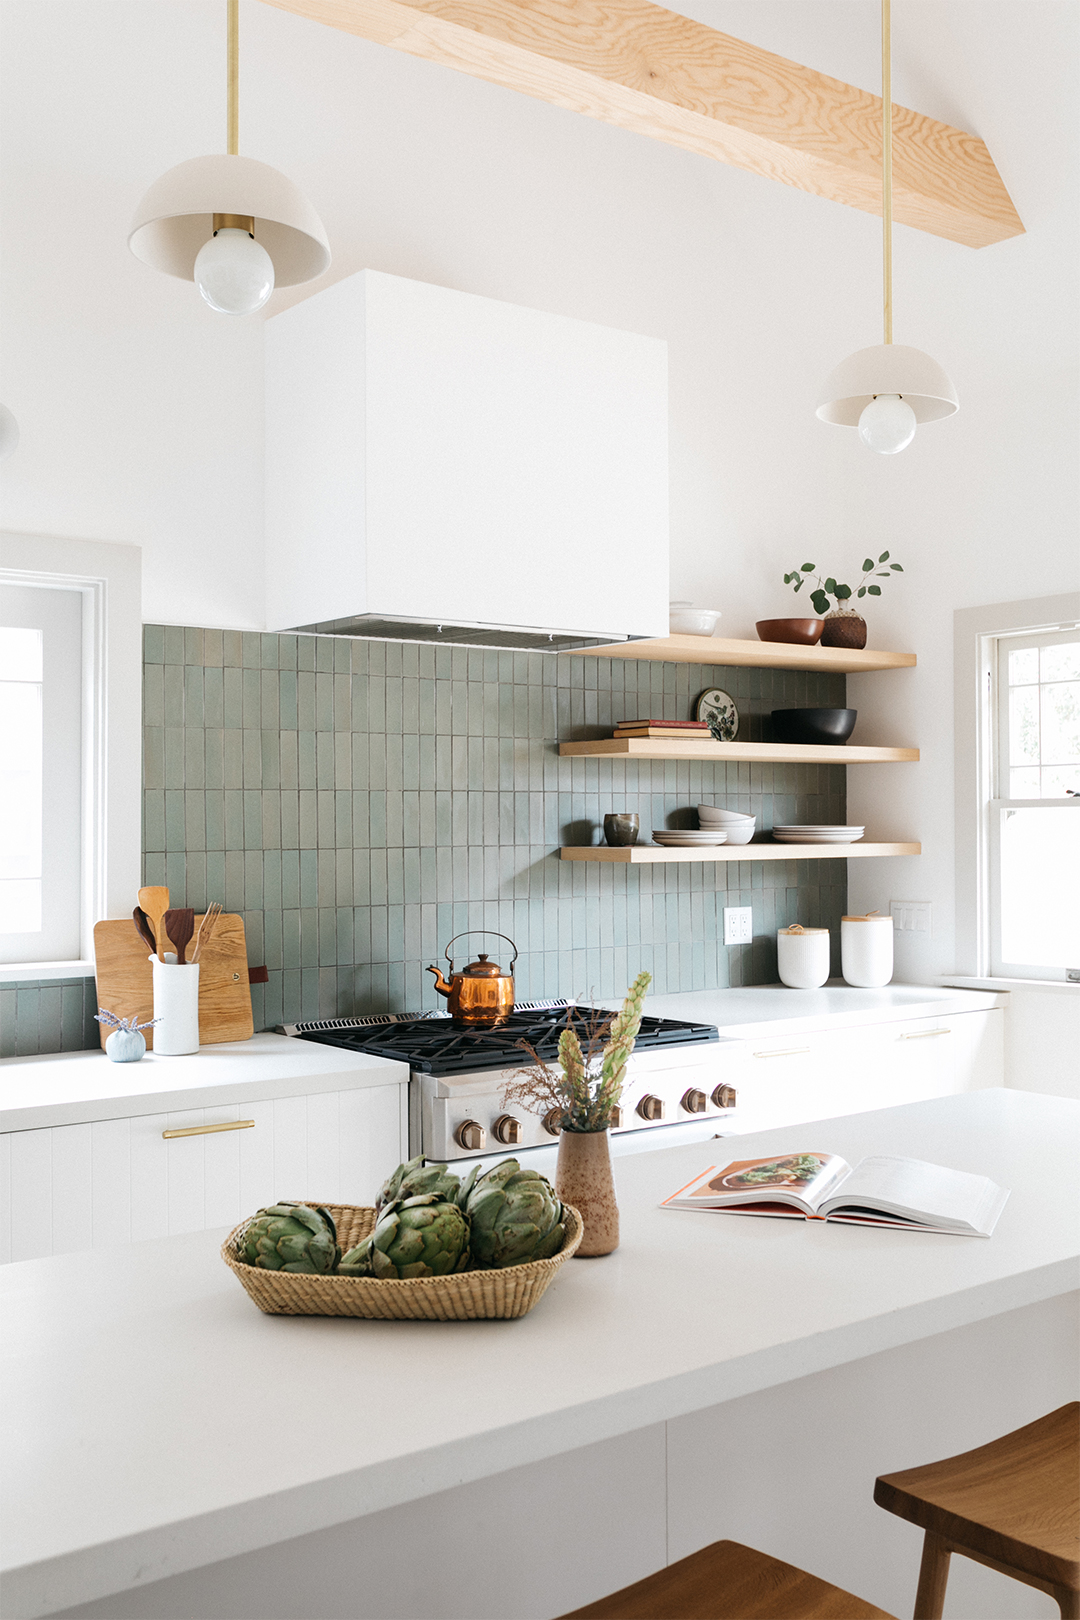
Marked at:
<point>583,1178</point>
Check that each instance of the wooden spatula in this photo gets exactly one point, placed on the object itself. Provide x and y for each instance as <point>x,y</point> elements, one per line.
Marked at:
<point>180,925</point>
<point>155,902</point>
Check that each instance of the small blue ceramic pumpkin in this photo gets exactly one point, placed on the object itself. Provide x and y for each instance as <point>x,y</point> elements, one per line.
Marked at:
<point>125,1044</point>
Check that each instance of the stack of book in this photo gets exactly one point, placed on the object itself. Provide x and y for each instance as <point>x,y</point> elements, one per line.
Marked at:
<point>662,728</point>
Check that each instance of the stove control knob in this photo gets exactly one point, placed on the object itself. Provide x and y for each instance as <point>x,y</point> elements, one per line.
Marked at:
<point>651,1108</point>
<point>550,1121</point>
<point>470,1135</point>
<point>724,1097</point>
<point>507,1130</point>
<point>616,1117</point>
<point>695,1102</point>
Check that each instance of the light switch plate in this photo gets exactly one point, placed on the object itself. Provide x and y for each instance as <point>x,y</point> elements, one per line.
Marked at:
<point>910,916</point>
<point>738,925</point>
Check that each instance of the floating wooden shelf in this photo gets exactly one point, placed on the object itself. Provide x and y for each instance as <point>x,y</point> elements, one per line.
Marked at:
<point>651,854</point>
<point>718,753</point>
<point>751,654</point>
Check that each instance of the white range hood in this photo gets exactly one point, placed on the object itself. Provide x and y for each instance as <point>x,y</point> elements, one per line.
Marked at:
<point>450,468</point>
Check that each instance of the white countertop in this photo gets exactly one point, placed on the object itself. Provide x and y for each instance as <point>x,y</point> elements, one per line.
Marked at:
<point>68,1088</point>
<point>773,1009</point>
<point>155,1420</point>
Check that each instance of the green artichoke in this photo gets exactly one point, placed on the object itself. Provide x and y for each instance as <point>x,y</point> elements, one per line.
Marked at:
<point>291,1237</point>
<point>515,1216</point>
<point>417,1180</point>
<point>417,1237</point>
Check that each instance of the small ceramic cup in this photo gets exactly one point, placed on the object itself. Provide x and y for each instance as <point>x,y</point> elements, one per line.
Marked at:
<point>621,827</point>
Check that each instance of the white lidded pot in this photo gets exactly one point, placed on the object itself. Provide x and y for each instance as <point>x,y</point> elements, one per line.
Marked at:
<point>866,950</point>
<point>803,956</point>
<point>176,1007</point>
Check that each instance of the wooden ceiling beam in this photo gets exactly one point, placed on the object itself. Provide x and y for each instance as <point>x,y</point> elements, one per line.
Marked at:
<point>649,70</point>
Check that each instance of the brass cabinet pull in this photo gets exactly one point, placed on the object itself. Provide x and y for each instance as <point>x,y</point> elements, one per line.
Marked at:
<point>208,1130</point>
<point>787,1051</point>
<point>924,1034</point>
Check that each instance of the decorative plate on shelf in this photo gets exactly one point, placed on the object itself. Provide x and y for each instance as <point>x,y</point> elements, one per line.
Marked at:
<point>718,710</point>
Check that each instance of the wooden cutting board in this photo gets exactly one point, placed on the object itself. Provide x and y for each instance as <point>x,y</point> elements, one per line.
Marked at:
<point>125,982</point>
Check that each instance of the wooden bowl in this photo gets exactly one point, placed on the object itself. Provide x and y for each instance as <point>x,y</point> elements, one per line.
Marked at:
<point>803,632</point>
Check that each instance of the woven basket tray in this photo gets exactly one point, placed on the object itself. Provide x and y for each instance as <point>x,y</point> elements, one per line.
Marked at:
<point>467,1297</point>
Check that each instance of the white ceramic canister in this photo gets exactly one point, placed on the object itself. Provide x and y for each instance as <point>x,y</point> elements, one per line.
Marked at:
<point>176,1004</point>
<point>803,956</point>
<point>866,950</point>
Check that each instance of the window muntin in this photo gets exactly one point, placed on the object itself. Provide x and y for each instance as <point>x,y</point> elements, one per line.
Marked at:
<point>41,773</point>
<point>1034,817</point>
<point>1040,711</point>
<point>21,726</point>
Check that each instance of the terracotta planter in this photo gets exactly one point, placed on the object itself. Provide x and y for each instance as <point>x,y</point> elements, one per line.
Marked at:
<point>583,1178</point>
<point>844,629</point>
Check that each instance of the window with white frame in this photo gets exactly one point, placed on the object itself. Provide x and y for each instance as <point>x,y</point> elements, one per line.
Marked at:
<point>1033,804</point>
<point>70,697</point>
<point>41,773</point>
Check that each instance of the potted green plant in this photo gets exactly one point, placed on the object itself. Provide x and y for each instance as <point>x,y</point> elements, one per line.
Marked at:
<point>578,1103</point>
<point>843,626</point>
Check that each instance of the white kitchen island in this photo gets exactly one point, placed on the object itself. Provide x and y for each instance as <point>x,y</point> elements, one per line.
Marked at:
<point>171,1451</point>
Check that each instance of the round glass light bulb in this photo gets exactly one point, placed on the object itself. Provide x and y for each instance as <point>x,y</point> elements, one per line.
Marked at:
<point>234,273</point>
<point>887,424</point>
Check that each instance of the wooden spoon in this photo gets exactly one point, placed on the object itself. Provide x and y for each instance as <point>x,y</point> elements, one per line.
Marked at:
<point>155,902</point>
<point>180,925</point>
<point>143,929</point>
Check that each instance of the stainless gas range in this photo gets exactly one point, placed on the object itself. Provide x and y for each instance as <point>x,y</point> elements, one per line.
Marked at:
<point>676,1088</point>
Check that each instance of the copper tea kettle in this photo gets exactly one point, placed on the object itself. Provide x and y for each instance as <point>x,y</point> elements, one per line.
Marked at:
<point>481,995</point>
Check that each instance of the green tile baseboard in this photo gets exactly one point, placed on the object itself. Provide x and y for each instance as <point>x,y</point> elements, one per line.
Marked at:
<point>359,802</point>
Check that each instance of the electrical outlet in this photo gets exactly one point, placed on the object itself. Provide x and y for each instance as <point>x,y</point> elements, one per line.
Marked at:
<point>911,916</point>
<point>738,925</point>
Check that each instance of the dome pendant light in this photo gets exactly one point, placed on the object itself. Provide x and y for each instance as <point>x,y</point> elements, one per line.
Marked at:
<point>235,227</point>
<point>888,390</point>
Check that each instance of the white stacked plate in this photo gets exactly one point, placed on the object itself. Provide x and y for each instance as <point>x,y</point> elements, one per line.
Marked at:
<point>818,835</point>
<point>690,838</point>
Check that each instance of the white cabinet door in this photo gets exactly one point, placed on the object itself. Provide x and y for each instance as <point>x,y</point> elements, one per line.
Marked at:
<point>120,1180</point>
<point>776,1079</point>
<point>783,1080</point>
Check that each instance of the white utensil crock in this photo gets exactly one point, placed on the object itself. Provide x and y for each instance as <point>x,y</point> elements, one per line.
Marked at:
<point>803,957</point>
<point>176,1003</point>
<point>866,951</point>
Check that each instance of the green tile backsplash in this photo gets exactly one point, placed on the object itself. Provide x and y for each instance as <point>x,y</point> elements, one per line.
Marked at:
<point>359,802</point>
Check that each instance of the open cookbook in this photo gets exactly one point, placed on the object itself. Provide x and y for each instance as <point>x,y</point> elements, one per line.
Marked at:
<point>879,1191</point>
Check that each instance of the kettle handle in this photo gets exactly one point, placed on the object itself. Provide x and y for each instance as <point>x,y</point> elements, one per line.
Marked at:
<point>462,935</point>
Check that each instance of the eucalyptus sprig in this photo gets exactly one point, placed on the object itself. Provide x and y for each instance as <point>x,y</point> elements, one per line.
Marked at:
<point>841,593</point>
<point>584,1090</point>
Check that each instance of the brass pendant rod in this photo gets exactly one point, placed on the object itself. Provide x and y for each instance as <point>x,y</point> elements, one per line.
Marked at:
<point>886,159</point>
<point>233,76</point>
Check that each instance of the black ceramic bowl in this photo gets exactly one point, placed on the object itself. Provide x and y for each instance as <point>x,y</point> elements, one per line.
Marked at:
<point>813,725</point>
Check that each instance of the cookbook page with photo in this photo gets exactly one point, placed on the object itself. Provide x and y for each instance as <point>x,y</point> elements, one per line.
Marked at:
<point>882,1191</point>
<point>802,1180</point>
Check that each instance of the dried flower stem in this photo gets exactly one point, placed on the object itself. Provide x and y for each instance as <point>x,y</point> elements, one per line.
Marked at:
<point>586,1087</point>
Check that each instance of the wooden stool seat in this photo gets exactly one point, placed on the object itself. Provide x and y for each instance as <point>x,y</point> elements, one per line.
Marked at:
<point>730,1582</point>
<point>1013,1504</point>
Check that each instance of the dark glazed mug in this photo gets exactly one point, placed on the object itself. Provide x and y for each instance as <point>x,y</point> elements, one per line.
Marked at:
<point>621,827</point>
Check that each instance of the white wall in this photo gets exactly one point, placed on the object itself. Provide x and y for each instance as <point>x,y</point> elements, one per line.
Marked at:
<point>140,409</point>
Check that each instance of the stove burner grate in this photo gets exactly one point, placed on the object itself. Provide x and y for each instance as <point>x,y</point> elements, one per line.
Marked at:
<point>431,1044</point>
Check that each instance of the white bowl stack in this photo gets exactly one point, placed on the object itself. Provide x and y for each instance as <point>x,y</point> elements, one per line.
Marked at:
<point>738,828</point>
<point>818,835</point>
